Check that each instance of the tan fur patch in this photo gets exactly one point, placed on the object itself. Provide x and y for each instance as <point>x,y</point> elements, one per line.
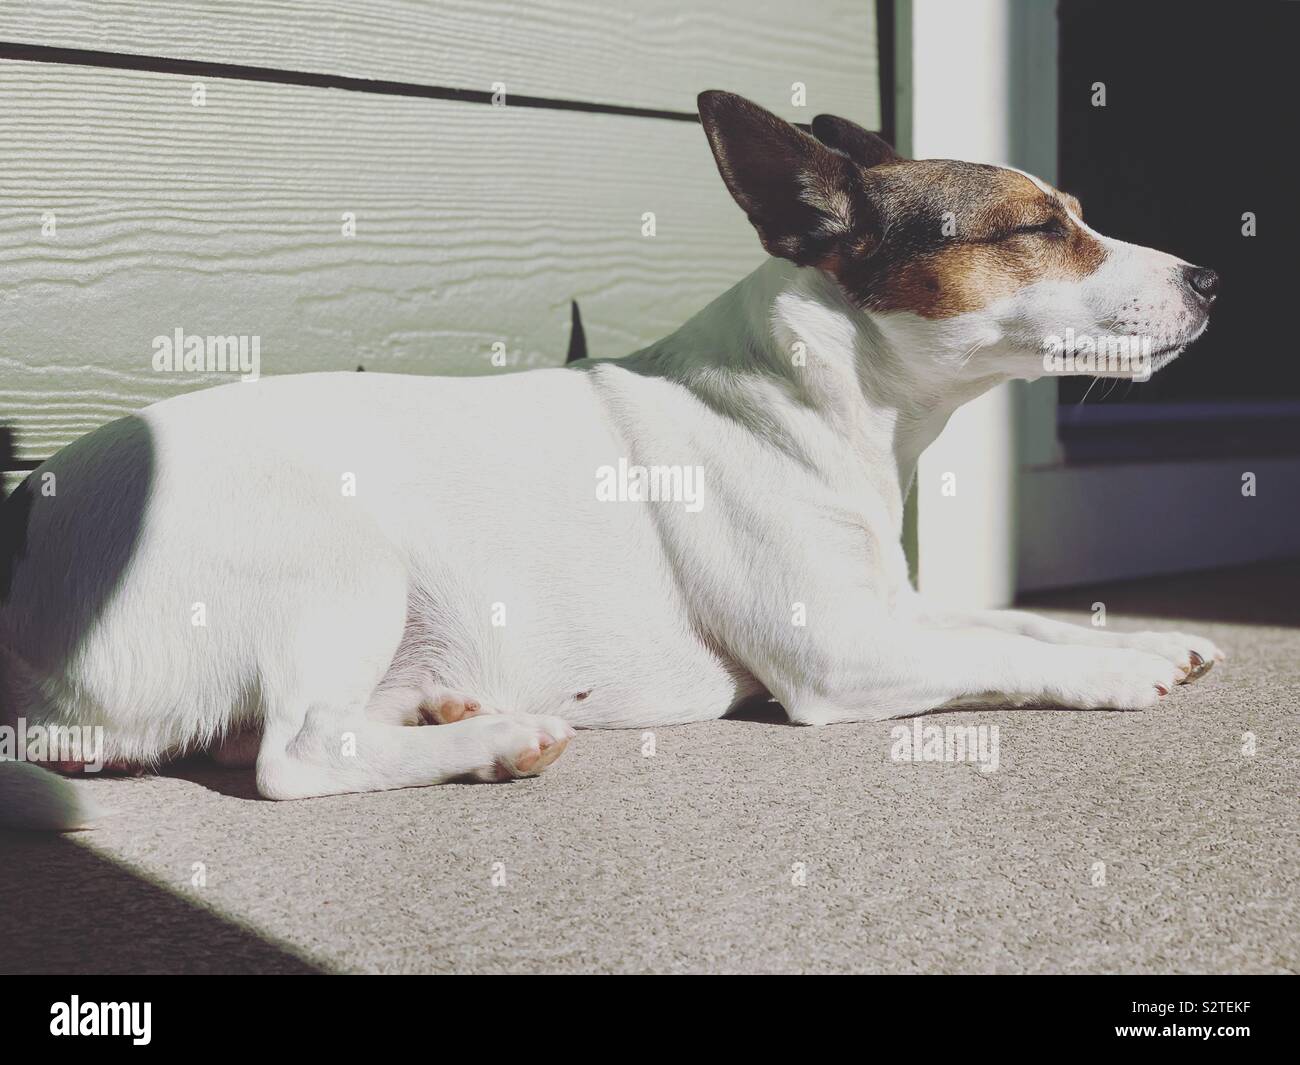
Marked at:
<point>967,276</point>
<point>960,236</point>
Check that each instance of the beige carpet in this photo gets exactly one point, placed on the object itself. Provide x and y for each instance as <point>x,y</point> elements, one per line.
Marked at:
<point>687,861</point>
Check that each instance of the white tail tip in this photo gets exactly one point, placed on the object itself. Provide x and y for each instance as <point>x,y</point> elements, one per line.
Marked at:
<point>38,800</point>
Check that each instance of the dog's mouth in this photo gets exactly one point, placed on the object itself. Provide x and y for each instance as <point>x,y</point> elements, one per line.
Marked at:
<point>1154,355</point>
<point>1133,360</point>
<point>1162,356</point>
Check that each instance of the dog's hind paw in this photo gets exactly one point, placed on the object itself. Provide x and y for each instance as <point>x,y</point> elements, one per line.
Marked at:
<point>444,706</point>
<point>521,745</point>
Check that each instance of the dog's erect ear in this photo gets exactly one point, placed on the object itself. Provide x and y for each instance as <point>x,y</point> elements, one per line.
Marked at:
<point>861,145</point>
<point>806,201</point>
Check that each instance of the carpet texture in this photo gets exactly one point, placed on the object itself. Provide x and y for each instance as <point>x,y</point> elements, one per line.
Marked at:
<point>1103,842</point>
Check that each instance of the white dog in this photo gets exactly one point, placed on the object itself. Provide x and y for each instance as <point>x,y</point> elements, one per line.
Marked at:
<point>296,569</point>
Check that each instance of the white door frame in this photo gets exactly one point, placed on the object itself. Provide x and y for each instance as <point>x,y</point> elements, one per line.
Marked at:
<point>984,87</point>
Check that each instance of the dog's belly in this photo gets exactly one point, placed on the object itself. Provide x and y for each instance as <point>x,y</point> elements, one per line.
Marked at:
<point>531,590</point>
<point>587,636</point>
<point>532,593</point>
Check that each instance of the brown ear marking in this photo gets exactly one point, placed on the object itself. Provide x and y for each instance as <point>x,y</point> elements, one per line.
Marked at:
<point>861,145</point>
<point>804,199</point>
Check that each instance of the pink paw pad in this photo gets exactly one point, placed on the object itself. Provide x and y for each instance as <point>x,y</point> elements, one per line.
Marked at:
<point>449,707</point>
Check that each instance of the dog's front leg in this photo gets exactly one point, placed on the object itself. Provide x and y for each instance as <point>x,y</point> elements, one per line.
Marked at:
<point>1193,655</point>
<point>910,669</point>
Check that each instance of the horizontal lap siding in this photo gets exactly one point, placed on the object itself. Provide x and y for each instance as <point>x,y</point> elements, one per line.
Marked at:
<point>646,53</point>
<point>475,225</point>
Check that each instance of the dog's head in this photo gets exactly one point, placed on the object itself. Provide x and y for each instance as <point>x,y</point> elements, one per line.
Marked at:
<point>980,270</point>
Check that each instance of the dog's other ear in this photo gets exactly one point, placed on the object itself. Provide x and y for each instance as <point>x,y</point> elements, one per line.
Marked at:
<point>805,200</point>
<point>861,145</point>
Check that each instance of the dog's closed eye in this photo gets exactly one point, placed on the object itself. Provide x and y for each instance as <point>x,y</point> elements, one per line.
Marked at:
<point>1052,227</point>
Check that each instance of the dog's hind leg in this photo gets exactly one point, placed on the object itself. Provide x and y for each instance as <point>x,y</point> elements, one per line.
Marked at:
<point>319,739</point>
<point>336,751</point>
<point>425,703</point>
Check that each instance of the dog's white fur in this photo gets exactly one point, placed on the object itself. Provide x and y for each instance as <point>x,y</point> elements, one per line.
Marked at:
<point>475,556</point>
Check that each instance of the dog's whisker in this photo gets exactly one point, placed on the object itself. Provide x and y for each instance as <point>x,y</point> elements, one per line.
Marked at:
<point>970,354</point>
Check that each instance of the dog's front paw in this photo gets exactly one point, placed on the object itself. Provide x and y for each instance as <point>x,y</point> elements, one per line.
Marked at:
<point>1192,655</point>
<point>519,745</point>
<point>1119,680</point>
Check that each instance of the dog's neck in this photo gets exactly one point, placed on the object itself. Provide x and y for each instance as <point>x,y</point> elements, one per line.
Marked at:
<point>787,354</point>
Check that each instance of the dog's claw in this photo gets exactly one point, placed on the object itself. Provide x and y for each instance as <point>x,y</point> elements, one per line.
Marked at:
<point>1162,689</point>
<point>1199,667</point>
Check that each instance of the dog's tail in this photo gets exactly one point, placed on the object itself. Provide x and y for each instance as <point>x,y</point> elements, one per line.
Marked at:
<point>39,800</point>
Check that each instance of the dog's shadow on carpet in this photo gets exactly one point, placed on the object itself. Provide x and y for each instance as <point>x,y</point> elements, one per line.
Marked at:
<point>201,770</point>
<point>761,710</point>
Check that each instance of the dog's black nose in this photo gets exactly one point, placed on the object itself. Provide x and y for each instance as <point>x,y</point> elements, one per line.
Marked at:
<point>1205,283</point>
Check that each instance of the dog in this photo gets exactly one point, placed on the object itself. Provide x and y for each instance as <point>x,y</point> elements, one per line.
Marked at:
<point>292,573</point>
